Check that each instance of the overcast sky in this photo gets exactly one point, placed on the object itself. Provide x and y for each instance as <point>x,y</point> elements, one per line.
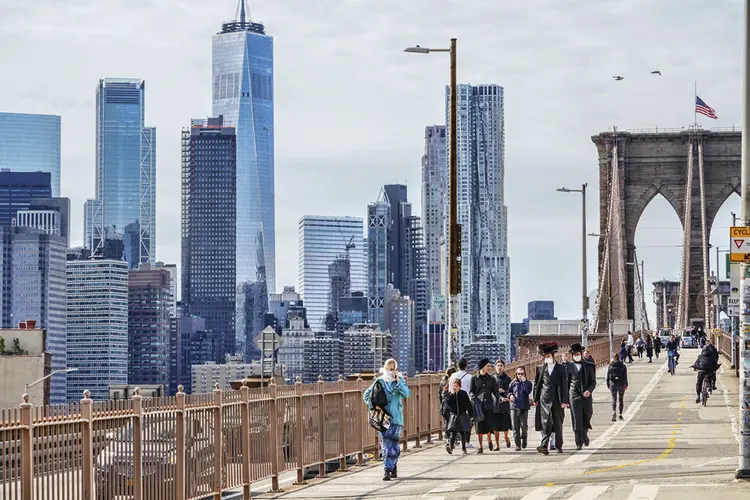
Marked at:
<point>351,107</point>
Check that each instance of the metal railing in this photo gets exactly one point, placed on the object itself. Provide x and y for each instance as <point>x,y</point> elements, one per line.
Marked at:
<point>200,445</point>
<point>723,343</point>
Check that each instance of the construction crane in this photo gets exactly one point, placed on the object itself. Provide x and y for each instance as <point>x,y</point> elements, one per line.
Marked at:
<point>350,245</point>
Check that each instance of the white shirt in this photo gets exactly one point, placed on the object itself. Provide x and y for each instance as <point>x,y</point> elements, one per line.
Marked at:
<point>465,379</point>
<point>550,368</point>
<point>630,339</point>
<point>578,366</point>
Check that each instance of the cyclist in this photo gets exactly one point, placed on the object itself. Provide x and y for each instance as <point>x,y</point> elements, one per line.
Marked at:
<point>706,365</point>
<point>672,346</point>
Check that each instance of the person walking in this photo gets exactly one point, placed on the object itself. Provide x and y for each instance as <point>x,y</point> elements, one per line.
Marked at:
<point>484,392</point>
<point>520,390</point>
<point>465,378</point>
<point>550,396</point>
<point>623,350</point>
<point>630,344</point>
<point>649,347</point>
<point>588,357</point>
<point>501,413</point>
<point>394,385</point>
<point>442,395</point>
<point>657,346</point>
<point>617,383</point>
<point>461,413</point>
<point>640,346</point>
<point>582,377</point>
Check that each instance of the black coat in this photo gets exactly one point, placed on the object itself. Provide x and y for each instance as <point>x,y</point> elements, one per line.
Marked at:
<point>502,404</point>
<point>549,397</point>
<point>484,389</point>
<point>581,408</point>
<point>459,404</point>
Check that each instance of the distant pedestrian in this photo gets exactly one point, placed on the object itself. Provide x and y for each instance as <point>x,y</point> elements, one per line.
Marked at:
<point>630,344</point>
<point>461,412</point>
<point>657,346</point>
<point>520,391</point>
<point>501,412</point>
<point>623,350</point>
<point>588,357</point>
<point>649,347</point>
<point>394,385</point>
<point>443,391</point>
<point>465,378</point>
<point>640,346</point>
<point>617,383</point>
<point>550,398</point>
<point>484,392</point>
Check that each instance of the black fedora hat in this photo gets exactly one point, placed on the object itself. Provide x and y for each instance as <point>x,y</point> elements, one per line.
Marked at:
<point>575,348</point>
<point>548,348</point>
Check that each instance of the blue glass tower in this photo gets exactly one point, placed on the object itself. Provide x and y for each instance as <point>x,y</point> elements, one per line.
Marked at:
<point>31,143</point>
<point>243,95</point>
<point>124,222</point>
<point>18,191</point>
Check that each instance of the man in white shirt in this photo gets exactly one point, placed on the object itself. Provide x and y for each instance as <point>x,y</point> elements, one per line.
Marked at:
<point>630,343</point>
<point>463,376</point>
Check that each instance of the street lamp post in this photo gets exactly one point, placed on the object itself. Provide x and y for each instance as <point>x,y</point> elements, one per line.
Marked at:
<point>454,229</point>
<point>584,280</point>
<point>32,384</point>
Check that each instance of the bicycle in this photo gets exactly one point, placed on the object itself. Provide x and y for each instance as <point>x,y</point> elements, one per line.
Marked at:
<point>672,362</point>
<point>705,388</point>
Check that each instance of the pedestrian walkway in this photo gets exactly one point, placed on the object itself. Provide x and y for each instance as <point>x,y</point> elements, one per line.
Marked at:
<point>666,447</point>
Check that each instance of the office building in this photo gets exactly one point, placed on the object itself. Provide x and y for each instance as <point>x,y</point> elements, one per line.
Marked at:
<point>97,324</point>
<point>125,174</point>
<point>149,306</point>
<point>243,88</point>
<point>516,330</point>
<point>436,360</point>
<point>484,301</point>
<point>172,270</point>
<point>23,359</point>
<point>51,215</point>
<point>324,240</point>
<point>18,190</point>
<point>366,347</point>
<point>288,300</point>
<point>414,268</point>
<point>352,311</point>
<point>474,352</point>
<point>206,376</point>
<point>541,309</point>
<point>379,274</point>
<point>209,256</point>
<point>190,344</point>
<point>31,143</point>
<point>92,210</point>
<point>291,353</point>
<point>434,199</point>
<point>32,287</point>
<point>324,357</point>
<point>399,321</point>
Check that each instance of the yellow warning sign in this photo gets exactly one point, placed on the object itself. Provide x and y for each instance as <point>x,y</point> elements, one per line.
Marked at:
<point>739,244</point>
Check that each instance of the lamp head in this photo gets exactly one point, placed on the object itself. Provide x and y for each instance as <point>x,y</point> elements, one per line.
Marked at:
<point>417,50</point>
<point>563,190</point>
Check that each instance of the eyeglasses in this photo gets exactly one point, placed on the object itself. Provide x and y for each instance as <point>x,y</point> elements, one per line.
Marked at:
<point>520,373</point>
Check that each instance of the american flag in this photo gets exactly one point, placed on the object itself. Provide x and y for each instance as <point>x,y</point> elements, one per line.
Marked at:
<point>704,109</point>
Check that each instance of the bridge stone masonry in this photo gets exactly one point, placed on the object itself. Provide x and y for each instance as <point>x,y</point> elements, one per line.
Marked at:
<point>666,448</point>
<point>696,170</point>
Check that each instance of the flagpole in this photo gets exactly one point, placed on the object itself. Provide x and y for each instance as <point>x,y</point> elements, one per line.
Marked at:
<point>695,105</point>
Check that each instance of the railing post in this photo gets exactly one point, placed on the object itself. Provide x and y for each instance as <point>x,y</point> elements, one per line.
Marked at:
<point>218,445</point>
<point>429,409</point>
<point>417,411</point>
<point>299,422</point>
<point>321,429</point>
<point>137,444</point>
<point>180,451</point>
<point>27,450</point>
<point>87,444</point>
<point>342,427</point>
<point>245,415</point>
<point>273,423</point>
<point>362,415</point>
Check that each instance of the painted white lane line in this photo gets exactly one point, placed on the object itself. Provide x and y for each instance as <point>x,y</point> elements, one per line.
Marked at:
<point>542,493</point>
<point>618,426</point>
<point>447,487</point>
<point>589,492</point>
<point>713,462</point>
<point>492,494</point>
<point>644,492</point>
<point>728,404</point>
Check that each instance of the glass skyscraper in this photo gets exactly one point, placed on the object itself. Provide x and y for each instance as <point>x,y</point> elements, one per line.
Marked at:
<point>31,143</point>
<point>124,220</point>
<point>379,244</point>
<point>18,190</point>
<point>484,301</point>
<point>209,169</point>
<point>434,197</point>
<point>243,94</point>
<point>326,240</point>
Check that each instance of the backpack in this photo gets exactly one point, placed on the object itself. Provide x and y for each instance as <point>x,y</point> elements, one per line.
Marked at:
<point>378,398</point>
<point>616,373</point>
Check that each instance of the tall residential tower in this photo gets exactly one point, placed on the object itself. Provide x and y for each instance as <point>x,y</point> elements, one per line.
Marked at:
<point>243,94</point>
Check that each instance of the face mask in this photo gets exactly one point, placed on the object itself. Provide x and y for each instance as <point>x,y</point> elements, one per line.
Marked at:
<point>577,358</point>
<point>549,361</point>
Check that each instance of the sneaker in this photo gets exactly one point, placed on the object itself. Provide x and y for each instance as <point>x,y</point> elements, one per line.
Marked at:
<point>542,450</point>
<point>463,451</point>
<point>523,443</point>
<point>614,417</point>
<point>697,400</point>
<point>449,449</point>
<point>394,473</point>
<point>559,450</point>
<point>578,447</point>
<point>620,417</point>
<point>518,448</point>
<point>387,476</point>
<point>586,441</point>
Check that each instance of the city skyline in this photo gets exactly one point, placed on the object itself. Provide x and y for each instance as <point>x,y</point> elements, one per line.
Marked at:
<point>310,161</point>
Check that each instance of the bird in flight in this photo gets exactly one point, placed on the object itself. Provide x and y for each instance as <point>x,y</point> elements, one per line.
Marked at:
<point>656,72</point>
<point>618,78</point>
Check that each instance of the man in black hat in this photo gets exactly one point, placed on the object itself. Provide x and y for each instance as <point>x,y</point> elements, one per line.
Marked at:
<point>550,398</point>
<point>582,380</point>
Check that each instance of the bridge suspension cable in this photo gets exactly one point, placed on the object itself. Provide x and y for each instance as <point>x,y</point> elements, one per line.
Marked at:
<point>682,303</point>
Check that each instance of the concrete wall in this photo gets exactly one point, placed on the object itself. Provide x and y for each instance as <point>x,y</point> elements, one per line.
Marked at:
<point>15,372</point>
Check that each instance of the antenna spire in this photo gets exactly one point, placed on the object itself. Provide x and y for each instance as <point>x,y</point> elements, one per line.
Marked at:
<point>243,10</point>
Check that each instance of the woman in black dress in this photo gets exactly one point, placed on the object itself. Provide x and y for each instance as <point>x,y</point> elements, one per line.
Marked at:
<point>501,413</point>
<point>484,393</point>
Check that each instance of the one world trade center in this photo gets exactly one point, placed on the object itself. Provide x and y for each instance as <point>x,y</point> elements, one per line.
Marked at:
<point>243,93</point>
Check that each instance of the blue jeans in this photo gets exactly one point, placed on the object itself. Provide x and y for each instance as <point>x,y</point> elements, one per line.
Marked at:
<point>390,445</point>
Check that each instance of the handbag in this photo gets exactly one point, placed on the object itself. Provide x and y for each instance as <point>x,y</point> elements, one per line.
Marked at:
<point>459,423</point>
<point>380,420</point>
<point>478,411</point>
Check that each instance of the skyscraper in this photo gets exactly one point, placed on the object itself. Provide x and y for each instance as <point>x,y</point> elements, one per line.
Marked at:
<point>484,301</point>
<point>125,174</point>
<point>31,143</point>
<point>149,306</point>
<point>209,212</point>
<point>18,190</point>
<point>379,275</point>
<point>399,321</point>
<point>97,326</point>
<point>243,94</point>
<point>434,198</point>
<point>324,240</point>
<point>32,287</point>
<point>46,207</point>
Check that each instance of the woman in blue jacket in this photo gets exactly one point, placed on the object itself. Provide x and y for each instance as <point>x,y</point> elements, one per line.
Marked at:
<point>395,388</point>
<point>519,391</point>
